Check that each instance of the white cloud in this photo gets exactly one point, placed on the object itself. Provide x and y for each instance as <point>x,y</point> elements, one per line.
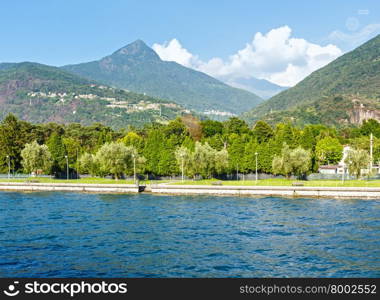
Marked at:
<point>275,56</point>
<point>354,39</point>
<point>173,51</point>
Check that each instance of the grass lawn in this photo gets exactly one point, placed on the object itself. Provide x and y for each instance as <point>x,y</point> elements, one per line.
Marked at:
<point>287,182</point>
<point>263,182</point>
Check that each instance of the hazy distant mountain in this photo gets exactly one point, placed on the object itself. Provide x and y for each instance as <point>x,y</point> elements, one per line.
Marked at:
<point>41,93</point>
<point>138,68</point>
<point>261,87</point>
<point>345,91</point>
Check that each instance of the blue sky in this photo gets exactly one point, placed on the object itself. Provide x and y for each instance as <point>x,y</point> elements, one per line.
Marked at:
<point>62,32</point>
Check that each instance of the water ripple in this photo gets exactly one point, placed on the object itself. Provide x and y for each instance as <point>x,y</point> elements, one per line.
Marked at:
<point>88,235</point>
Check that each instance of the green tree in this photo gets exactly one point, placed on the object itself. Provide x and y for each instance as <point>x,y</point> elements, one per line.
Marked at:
<point>292,161</point>
<point>262,131</point>
<point>12,141</point>
<point>89,165</point>
<point>285,133</point>
<point>36,157</point>
<point>308,139</point>
<point>236,152</point>
<point>58,152</point>
<point>208,161</point>
<point>363,143</point>
<point>211,128</point>
<point>176,128</point>
<point>189,143</point>
<point>357,160</point>
<point>115,158</point>
<point>73,150</point>
<point>167,162</point>
<point>133,139</point>
<point>235,125</point>
<point>329,150</point>
<point>249,158</point>
<point>266,153</point>
<point>152,150</point>
<point>221,161</point>
<point>370,126</point>
<point>184,158</point>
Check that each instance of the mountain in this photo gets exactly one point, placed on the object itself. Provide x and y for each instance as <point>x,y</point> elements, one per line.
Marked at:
<point>353,77</point>
<point>343,110</point>
<point>261,87</point>
<point>41,93</point>
<point>138,68</point>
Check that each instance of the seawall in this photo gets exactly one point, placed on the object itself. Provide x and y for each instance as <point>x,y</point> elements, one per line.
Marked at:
<point>282,191</point>
<point>70,187</point>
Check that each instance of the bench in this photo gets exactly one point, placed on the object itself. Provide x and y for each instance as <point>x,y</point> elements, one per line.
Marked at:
<point>216,183</point>
<point>297,184</point>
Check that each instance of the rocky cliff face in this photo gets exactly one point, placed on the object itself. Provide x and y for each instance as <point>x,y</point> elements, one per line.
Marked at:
<point>362,112</point>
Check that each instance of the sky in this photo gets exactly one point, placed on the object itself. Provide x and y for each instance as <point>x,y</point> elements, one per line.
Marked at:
<point>280,41</point>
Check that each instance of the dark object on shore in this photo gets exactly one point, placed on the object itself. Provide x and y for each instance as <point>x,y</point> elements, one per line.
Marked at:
<point>297,184</point>
<point>217,183</point>
<point>32,181</point>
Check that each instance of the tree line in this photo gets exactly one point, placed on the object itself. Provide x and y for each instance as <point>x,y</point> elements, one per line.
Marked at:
<point>185,146</point>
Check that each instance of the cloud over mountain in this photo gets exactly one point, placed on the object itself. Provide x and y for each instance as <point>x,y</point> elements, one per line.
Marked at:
<point>275,56</point>
<point>354,38</point>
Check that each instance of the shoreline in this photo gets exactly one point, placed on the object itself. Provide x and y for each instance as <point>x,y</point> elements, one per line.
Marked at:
<point>281,191</point>
<point>69,187</point>
<point>167,189</point>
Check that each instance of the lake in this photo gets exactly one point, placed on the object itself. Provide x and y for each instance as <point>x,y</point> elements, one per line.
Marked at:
<point>94,235</point>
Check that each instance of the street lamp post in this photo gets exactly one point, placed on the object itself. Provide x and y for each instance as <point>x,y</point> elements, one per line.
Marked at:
<point>67,167</point>
<point>256,165</point>
<point>371,153</point>
<point>9,166</point>
<point>77,163</point>
<point>182,163</point>
<point>134,167</point>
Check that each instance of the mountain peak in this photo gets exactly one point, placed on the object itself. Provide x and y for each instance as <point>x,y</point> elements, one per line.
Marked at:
<point>137,49</point>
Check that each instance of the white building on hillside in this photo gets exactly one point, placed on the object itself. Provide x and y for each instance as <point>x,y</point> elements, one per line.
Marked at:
<point>342,166</point>
<point>339,168</point>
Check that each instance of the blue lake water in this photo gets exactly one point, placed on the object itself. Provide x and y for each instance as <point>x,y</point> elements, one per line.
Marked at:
<point>92,235</point>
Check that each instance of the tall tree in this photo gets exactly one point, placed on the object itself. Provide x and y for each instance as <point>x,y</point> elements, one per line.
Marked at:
<point>211,128</point>
<point>262,131</point>
<point>292,161</point>
<point>12,141</point>
<point>184,158</point>
<point>329,150</point>
<point>89,165</point>
<point>133,139</point>
<point>167,161</point>
<point>58,152</point>
<point>115,158</point>
<point>236,152</point>
<point>370,126</point>
<point>36,157</point>
<point>357,160</point>
<point>208,161</point>
<point>235,125</point>
<point>249,159</point>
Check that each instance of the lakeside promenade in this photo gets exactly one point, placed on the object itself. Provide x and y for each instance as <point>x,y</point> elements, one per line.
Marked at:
<point>70,187</point>
<point>174,189</point>
<point>282,191</point>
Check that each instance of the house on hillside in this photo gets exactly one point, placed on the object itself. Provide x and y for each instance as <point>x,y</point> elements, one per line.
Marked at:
<point>341,167</point>
<point>328,169</point>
